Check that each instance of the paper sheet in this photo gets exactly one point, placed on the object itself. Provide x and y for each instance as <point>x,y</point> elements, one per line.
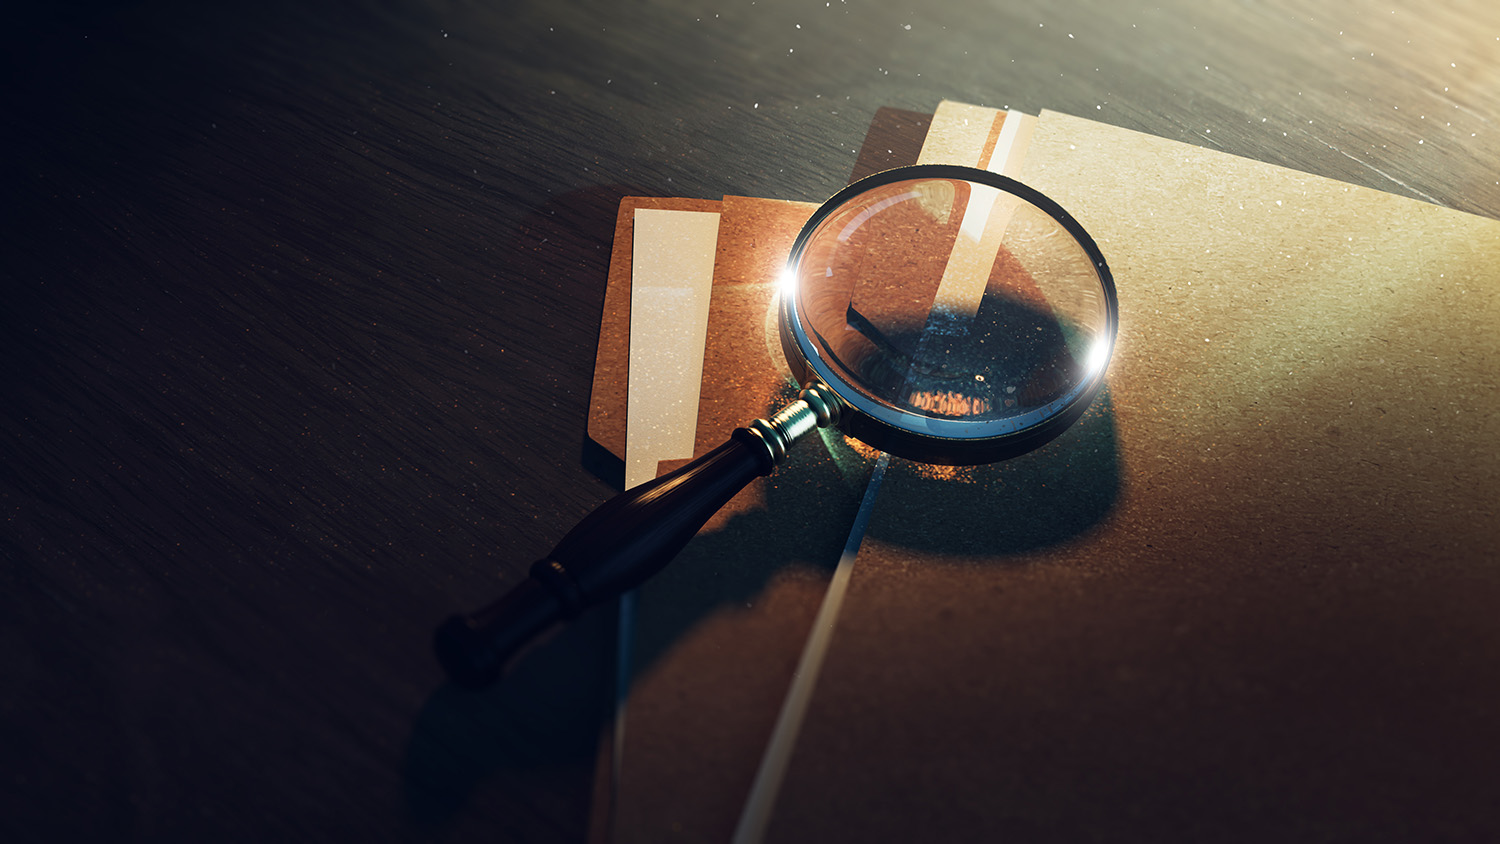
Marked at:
<point>1256,585</point>
<point>1254,575</point>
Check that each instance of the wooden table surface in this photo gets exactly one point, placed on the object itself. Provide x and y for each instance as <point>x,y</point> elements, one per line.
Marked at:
<point>301,305</point>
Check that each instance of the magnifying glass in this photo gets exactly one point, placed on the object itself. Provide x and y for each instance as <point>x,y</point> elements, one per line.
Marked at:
<point>943,314</point>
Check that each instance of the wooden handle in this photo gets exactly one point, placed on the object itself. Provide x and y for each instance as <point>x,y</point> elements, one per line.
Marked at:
<point>614,549</point>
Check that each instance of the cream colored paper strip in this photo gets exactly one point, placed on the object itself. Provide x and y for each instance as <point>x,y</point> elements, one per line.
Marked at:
<point>672,276</point>
<point>987,214</point>
<point>961,134</point>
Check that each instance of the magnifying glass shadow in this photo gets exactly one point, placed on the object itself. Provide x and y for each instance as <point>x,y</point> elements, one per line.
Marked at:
<point>991,514</point>
<point>980,515</point>
<point>987,515</point>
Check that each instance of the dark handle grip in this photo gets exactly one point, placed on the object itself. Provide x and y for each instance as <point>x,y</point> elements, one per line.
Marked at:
<point>614,549</point>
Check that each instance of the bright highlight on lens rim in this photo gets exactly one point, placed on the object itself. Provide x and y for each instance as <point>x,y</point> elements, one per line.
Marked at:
<point>1098,358</point>
<point>786,286</point>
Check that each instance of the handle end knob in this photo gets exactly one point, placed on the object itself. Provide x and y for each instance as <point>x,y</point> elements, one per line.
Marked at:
<point>476,650</point>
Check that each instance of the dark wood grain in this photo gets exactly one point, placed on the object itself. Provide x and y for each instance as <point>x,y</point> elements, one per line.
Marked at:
<point>301,302</point>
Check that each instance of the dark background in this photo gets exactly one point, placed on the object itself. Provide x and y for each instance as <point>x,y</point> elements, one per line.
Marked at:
<point>300,310</point>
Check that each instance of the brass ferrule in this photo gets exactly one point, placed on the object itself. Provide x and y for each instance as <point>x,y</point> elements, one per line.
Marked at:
<point>816,407</point>
<point>785,428</point>
<point>822,402</point>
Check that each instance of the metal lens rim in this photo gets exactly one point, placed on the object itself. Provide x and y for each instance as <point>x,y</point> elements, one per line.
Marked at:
<point>913,435</point>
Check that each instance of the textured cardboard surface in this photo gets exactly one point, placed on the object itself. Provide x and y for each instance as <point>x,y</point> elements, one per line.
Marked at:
<point>1267,608</point>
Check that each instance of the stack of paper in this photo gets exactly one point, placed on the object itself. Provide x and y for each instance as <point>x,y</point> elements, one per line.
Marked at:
<point>1251,591</point>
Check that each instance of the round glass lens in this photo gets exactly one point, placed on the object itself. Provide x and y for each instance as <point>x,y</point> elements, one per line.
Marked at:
<point>952,307</point>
